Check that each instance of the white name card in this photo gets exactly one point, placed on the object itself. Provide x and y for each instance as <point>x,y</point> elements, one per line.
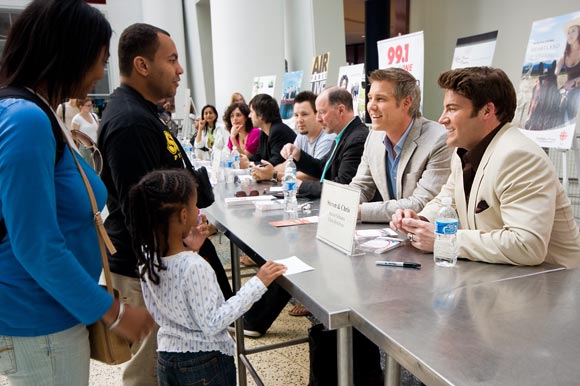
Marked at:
<point>338,212</point>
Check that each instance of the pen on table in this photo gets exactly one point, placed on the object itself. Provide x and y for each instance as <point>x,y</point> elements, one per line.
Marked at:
<point>402,264</point>
<point>391,238</point>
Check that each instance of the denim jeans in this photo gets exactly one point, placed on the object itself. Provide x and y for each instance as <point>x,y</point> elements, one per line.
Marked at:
<point>59,359</point>
<point>196,368</point>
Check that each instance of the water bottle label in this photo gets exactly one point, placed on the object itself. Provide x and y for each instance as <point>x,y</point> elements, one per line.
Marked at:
<point>230,164</point>
<point>446,227</point>
<point>289,185</point>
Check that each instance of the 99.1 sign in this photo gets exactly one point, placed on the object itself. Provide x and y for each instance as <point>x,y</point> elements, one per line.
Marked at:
<point>398,54</point>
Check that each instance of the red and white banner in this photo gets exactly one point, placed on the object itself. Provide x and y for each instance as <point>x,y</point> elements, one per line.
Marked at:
<point>406,52</point>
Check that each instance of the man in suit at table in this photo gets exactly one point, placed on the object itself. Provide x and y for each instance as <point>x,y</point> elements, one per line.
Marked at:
<point>405,159</point>
<point>512,208</point>
<point>265,114</point>
<point>311,138</point>
<point>335,113</point>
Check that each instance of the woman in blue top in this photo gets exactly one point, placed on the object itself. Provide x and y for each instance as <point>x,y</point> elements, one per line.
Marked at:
<point>49,252</point>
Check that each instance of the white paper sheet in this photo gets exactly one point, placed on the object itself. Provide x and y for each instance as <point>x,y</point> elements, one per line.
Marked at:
<point>294,265</point>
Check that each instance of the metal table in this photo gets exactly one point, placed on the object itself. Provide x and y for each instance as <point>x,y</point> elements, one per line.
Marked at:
<point>341,283</point>
<point>522,331</point>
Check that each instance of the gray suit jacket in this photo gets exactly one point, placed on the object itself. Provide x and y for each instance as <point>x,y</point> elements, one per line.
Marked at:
<point>423,168</point>
<point>518,212</point>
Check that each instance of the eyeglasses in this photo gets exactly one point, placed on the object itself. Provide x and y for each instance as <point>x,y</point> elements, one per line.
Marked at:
<point>252,193</point>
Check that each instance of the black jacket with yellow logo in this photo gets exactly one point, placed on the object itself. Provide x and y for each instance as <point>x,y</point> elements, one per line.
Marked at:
<point>133,141</point>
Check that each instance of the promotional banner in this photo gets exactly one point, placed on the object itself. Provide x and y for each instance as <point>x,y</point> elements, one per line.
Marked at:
<point>549,93</point>
<point>337,219</point>
<point>352,78</point>
<point>473,51</point>
<point>406,52</point>
<point>319,72</point>
<point>264,85</point>
<point>290,87</point>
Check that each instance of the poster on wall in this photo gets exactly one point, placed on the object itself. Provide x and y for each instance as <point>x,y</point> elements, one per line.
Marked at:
<point>406,52</point>
<point>319,72</point>
<point>549,93</point>
<point>352,78</point>
<point>290,87</point>
<point>264,85</point>
<point>473,51</point>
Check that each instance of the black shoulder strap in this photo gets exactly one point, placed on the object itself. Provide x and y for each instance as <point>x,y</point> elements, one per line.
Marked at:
<point>22,93</point>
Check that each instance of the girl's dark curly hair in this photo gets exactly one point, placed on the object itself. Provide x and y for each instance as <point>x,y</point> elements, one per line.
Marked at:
<point>152,202</point>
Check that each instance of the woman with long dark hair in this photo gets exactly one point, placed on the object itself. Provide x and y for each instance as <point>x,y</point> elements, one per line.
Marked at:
<point>243,136</point>
<point>49,251</point>
<point>210,134</point>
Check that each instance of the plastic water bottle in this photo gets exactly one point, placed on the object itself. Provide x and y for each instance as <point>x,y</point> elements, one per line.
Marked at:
<point>236,157</point>
<point>445,248</point>
<point>190,152</point>
<point>290,166</point>
<point>228,165</point>
<point>289,186</point>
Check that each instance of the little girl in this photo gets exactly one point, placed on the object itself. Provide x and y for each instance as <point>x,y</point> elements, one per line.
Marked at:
<point>180,288</point>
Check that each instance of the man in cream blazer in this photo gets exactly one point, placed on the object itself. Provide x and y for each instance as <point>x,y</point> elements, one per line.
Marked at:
<point>512,208</point>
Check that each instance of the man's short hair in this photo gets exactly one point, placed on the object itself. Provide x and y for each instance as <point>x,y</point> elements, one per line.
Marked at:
<point>139,39</point>
<point>405,85</point>
<point>339,96</point>
<point>306,96</point>
<point>482,85</point>
<point>266,107</point>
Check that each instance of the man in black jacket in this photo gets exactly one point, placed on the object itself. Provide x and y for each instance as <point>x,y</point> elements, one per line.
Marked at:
<point>265,114</point>
<point>134,141</point>
<point>336,115</point>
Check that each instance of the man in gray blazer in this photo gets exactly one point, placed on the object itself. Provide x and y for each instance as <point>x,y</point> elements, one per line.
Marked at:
<point>405,160</point>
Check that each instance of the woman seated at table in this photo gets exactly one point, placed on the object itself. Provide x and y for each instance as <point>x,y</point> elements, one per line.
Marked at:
<point>210,135</point>
<point>243,136</point>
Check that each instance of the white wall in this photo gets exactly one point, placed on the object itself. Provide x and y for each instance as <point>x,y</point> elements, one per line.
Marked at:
<point>248,41</point>
<point>299,34</point>
<point>329,35</point>
<point>446,20</point>
<point>121,14</point>
<point>200,52</point>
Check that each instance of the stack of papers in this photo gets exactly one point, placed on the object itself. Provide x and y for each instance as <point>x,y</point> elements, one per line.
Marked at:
<point>233,201</point>
<point>263,206</point>
<point>380,245</point>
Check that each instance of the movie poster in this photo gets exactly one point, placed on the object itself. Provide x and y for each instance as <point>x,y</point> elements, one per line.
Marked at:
<point>406,52</point>
<point>549,93</point>
<point>290,87</point>
<point>474,51</point>
<point>352,78</point>
<point>319,72</point>
<point>264,85</point>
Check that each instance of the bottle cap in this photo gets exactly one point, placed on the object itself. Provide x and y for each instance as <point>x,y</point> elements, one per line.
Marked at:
<point>446,200</point>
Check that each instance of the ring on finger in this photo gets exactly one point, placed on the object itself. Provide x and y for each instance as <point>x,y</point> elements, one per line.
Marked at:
<point>410,237</point>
